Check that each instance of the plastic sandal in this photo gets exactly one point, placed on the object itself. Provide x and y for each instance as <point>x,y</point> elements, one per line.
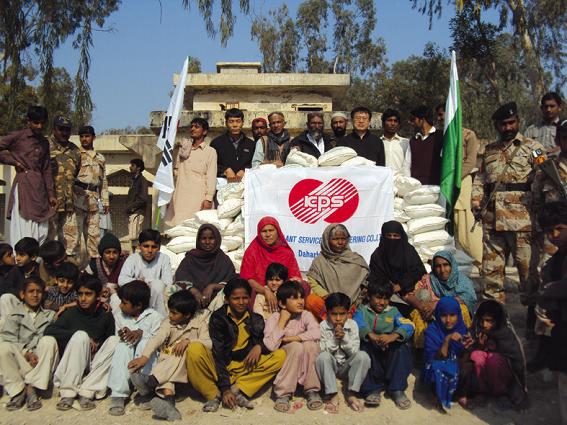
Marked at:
<point>314,401</point>
<point>242,401</point>
<point>66,403</point>
<point>212,405</point>
<point>282,404</point>
<point>16,402</point>
<point>373,399</point>
<point>33,402</point>
<point>401,400</point>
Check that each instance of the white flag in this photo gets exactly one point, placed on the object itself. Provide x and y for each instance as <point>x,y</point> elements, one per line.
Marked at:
<point>163,181</point>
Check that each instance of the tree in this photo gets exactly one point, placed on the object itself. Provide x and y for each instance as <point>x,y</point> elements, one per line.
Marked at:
<point>194,65</point>
<point>539,33</point>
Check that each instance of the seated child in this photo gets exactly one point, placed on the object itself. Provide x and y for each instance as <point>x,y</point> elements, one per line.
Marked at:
<point>276,275</point>
<point>27,358</point>
<point>63,295</point>
<point>6,264</point>
<point>446,339</point>
<point>340,354</point>
<point>297,332</point>
<point>52,254</point>
<point>239,364</point>
<point>108,266</point>
<point>85,335</point>
<point>151,266</point>
<point>11,279</point>
<point>171,339</point>
<point>498,358</point>
<point>385,336</point>
<point>135,325</point>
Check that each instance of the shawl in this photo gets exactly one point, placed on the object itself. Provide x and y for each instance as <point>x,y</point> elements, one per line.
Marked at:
<point>436,332</point>
<point>202,267</point>
<point>395,260</point>
<point>99,270</point>
<point>258,256</point>
<point>458,284</point>
<point>338,272</point>
<point>274,145</point>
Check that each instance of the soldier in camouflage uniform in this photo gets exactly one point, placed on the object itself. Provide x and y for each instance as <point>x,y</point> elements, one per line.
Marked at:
<point>90,186</point>
<point>508,217</point>
<point>65,164</point>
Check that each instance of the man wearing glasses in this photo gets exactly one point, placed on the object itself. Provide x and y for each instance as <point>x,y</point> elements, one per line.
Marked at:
<point>361,140</point>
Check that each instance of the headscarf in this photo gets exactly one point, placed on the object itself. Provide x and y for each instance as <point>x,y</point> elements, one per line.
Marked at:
<point>338,272</point>
<point>259,255</point>
<point>202,267</point>
<point>436,332</point>
<point>275,143</point>
<point>458,284</point>
<point>395,260</point>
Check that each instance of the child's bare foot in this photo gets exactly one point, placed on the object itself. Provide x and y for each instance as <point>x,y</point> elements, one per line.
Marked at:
<point>332,404</point>
<point>355,404</point>
<point>465,403</point>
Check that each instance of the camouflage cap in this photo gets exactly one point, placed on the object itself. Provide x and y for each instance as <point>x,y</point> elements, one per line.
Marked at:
<point>508,110</point>
<point>62,121</point>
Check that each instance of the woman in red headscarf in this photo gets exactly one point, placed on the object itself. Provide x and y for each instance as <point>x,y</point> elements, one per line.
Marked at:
<point>269,246</point>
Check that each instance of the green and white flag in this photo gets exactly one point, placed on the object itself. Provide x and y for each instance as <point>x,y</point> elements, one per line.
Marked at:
<point>452,158</point>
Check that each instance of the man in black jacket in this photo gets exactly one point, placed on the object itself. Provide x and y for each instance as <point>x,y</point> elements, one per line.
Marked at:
<point>361,140</point>
<point>234,149</point>
<point>312,140</point>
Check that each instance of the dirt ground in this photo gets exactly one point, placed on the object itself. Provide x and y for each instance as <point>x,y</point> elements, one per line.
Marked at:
<point>543,406</point>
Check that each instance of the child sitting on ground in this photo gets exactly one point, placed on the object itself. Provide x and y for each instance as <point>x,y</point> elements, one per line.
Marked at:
<point>135,325</point>
<point>340,354</point>
<point>52,254</point>
<point>6,264</point>
<point>385,336</point>
<point>446,339</point>
<point>276,275</point>
<point>239,364</point>
<point>63,295</point>
<point>150,266</point>
<point>497,356</point>
<point>172,339</point>
<point>108,266</point>
<point>27,358</point>
<point>85,335</point>
<point>297,332</point>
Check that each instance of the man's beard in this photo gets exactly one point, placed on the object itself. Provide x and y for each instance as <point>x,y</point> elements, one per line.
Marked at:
<point>339,132</point>
<point>508,135</point>
<point>316,134</point>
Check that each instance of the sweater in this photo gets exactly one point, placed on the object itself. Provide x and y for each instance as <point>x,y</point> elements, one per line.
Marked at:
<point>388,322</point>
<point>369,146</point>
<point>229,157</point>
<point>426,158</point>
<point>99,325</point>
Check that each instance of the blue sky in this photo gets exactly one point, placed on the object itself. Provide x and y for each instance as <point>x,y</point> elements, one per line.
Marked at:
<point>132,66</point>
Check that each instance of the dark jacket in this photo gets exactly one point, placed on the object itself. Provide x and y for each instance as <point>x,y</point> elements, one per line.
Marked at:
<point>224,333</point>
<point>303,143</point>
<point>137,195</point>
<point>14,280</point>
<point>98,325</point>
<point>370,146</point>
<point>228,157</point>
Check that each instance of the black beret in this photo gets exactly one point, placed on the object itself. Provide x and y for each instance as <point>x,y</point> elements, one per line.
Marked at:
<point>86,129</point>
<point>508,110</point>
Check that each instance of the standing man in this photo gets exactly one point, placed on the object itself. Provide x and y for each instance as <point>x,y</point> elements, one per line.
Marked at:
<point>274,147</point>
<point>545,131</point>
<point>137,202</point>
<point>471,242</point>
<point>361,140</point>
<point>65,163</point>
<point>90,187</point>
<point>234,149</point>
<point>502,195</point>
<point>396,148</point>
<point>32,198</point>
<point>259,128</point>
<point>339,122</point>
<point>312,141</point>
<point>426,145</point>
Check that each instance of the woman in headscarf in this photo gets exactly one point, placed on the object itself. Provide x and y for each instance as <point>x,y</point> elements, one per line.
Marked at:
<point>337,269</point>
<point>269,246</point>
<point>445,280</point>
<point>446,339</point>
<point>396,262</point>
<point>205,269</point>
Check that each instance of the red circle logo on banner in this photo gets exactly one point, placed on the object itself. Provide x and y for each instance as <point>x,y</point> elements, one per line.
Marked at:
<point>311,200</point>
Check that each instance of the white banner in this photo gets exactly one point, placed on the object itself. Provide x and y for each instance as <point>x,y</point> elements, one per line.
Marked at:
<point>163,181</point>
<point>306,200</point>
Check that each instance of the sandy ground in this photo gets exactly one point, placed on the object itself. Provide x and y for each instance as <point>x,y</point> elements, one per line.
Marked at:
<point>543,408</point>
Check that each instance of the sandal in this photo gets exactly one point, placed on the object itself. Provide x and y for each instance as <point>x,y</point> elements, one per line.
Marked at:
<point>282,403</point>
<point>373,399</point>
<point>212,405</point>
<point>116,406</point>
<point>242,401</point>
<point>16,402</point>
<point>86,403</point>
<point>401,400</point>
<point>33,402</point>
<point>314,401</point>
<point>66,403</point>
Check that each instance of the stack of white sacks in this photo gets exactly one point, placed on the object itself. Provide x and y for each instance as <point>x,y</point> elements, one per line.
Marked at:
<point>227,218</point>
<point>415,206</point>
